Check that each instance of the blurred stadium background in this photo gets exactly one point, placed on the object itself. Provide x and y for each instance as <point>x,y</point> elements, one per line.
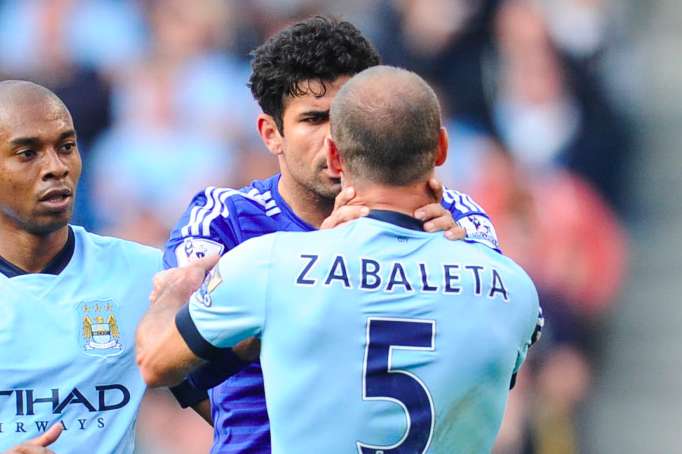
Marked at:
<point>564,118</point>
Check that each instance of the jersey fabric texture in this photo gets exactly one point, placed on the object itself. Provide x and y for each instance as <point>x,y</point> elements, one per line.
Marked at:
<point>219,219</point>
<point>376,337</point>
<point>67,345</point>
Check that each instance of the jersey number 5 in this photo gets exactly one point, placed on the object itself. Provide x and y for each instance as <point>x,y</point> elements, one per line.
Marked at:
<point>382,382</point>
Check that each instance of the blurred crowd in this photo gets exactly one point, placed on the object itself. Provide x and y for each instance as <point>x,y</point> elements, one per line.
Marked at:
<point>535,95</point>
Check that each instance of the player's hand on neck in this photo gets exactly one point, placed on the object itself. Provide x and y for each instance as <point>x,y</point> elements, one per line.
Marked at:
<point>434,216</point>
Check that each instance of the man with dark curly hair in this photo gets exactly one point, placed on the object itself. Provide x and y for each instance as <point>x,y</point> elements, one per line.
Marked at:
<point>296,75</point>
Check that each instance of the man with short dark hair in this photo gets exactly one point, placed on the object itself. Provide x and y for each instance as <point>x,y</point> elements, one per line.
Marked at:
<point>296,74</point>
<point>69,300</point>
<point>376,336</point>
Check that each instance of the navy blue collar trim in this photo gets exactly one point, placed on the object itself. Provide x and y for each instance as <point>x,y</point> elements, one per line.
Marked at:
<point>56,265</point>
<point>399,219</point>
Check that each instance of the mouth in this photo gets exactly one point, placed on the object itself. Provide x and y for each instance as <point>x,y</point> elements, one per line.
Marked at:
<point>325,170</point>
<point>332,179</point>
<point>56,199</point>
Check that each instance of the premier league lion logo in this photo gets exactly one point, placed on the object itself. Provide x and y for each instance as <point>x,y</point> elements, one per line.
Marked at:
<point>99,332</point>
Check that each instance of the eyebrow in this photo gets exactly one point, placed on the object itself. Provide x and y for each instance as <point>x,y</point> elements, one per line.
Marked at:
<point>35,140</point>
<point>314,113</point>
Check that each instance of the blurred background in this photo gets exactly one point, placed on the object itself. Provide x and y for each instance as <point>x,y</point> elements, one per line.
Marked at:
<point>563,117</point>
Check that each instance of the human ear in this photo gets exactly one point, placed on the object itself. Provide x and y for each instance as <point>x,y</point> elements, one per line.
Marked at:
<point>269,133</point>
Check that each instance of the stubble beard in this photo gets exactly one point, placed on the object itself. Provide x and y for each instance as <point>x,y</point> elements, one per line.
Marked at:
<point>43,224</point>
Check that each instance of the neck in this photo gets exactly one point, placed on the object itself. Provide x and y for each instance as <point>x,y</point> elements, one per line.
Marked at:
<point>29,251</point>
<point>402,199</point>
<point>307,205</point>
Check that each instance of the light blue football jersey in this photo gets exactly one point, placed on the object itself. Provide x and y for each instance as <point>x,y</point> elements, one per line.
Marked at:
<point>67,351</point>
<point>217,220</point>
<point>377,337</point>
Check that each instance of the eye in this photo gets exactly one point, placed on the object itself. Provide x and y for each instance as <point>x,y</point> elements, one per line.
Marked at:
<point>27,155</point>
<point>68,147</point>
<point>316,119</point>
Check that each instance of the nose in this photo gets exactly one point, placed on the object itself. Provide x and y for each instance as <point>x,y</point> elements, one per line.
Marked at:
<point>55,166</point>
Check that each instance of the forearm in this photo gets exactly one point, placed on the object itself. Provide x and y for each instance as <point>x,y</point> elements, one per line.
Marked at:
<point>193,389</point>
<point>162,356</point>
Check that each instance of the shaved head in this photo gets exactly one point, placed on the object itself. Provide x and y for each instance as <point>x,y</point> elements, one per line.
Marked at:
<point>15,93</point>
<point>386,124</point>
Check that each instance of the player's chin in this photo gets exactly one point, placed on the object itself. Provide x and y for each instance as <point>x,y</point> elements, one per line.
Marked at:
<point>330,187</point>
<point>43,223</point>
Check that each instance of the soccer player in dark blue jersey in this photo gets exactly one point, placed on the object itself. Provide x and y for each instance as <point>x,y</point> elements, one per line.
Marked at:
<point>295,77</point>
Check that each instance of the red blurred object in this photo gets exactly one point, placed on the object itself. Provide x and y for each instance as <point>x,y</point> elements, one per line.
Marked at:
<point>557,227</point>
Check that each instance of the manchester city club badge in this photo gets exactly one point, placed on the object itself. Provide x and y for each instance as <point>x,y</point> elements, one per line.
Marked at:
<point>99,331</point>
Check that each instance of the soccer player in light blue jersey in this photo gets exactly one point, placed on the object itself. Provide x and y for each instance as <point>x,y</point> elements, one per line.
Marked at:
<point>69,300</point>
<point>376,336</point>
<point>296,74</point>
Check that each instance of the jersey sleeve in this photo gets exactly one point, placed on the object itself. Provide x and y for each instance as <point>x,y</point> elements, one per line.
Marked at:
<point>472,218</point>
<point>194,388</point>
<point>531,337</point>
<point>231,303</point>
<point>204,229</point>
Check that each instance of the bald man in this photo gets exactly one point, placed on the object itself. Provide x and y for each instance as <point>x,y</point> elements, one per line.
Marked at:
<point>376,336</point>
<point>69,299</point>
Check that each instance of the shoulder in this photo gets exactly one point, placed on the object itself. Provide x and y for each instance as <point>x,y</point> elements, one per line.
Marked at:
<point>261,246</point>
<point>515,277</point>
<point>93,243</point>
<point>250,260</point>
<point>214,203</point>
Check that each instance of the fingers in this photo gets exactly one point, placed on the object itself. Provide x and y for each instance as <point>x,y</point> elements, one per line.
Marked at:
<point>193,273</point>
<point>437,219</point>
<point>345,196</point>
<point>444,224</point>
<point>344,214</point>
<point>433,212</point>
<point>183,280</point>
<point>455,233</point>
<point>156,288</point>
<point>160,282</point>
<point>439,224</point>
<point>49,437</point>
<point>436,188</point>
<point>342,211</point>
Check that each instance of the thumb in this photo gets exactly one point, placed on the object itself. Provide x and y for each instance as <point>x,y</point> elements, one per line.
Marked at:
<point>345,196</point>
<point>436,188</point>
<point>49,437</point>
<point>206,264</point>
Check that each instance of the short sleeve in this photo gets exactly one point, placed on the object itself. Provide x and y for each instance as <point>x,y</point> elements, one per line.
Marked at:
<point>204,229</point>
<point>472,218</point>
<point>530,341</point>
<point>531,329</point>
<point>231,303</point>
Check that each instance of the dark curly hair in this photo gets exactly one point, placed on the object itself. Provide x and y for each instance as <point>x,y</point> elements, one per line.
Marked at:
<point>318,48</point>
